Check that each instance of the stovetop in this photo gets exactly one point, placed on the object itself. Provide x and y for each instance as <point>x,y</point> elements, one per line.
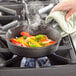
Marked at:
<point>62,62</point>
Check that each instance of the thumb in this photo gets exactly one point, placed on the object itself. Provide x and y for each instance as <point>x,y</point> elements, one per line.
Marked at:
<point>70,12</point>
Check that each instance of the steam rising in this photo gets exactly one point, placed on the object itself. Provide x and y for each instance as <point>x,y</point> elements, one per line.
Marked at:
<point>37,25</point>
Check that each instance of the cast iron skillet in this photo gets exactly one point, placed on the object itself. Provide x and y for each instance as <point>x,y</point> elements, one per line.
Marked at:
<point>33,52</point>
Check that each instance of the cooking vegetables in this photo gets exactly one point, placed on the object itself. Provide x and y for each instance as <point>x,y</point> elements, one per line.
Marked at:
<point>27,40</point>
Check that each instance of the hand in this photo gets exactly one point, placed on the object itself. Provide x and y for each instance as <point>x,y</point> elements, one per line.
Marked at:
<point>66,5</point>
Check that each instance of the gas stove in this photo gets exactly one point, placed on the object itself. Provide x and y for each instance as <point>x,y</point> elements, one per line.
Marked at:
<point>62,62</point>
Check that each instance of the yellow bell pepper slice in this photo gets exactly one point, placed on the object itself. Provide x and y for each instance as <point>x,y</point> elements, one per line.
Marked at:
<point>21,40</point>
<point>33,42</point>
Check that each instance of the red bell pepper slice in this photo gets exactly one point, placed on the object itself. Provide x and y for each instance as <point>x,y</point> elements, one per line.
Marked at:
<point>15,42</point>
<point>25,34</point>
<point>50,43</point>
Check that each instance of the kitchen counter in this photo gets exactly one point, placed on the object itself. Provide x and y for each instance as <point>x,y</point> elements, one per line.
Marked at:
<point>64,70</point>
